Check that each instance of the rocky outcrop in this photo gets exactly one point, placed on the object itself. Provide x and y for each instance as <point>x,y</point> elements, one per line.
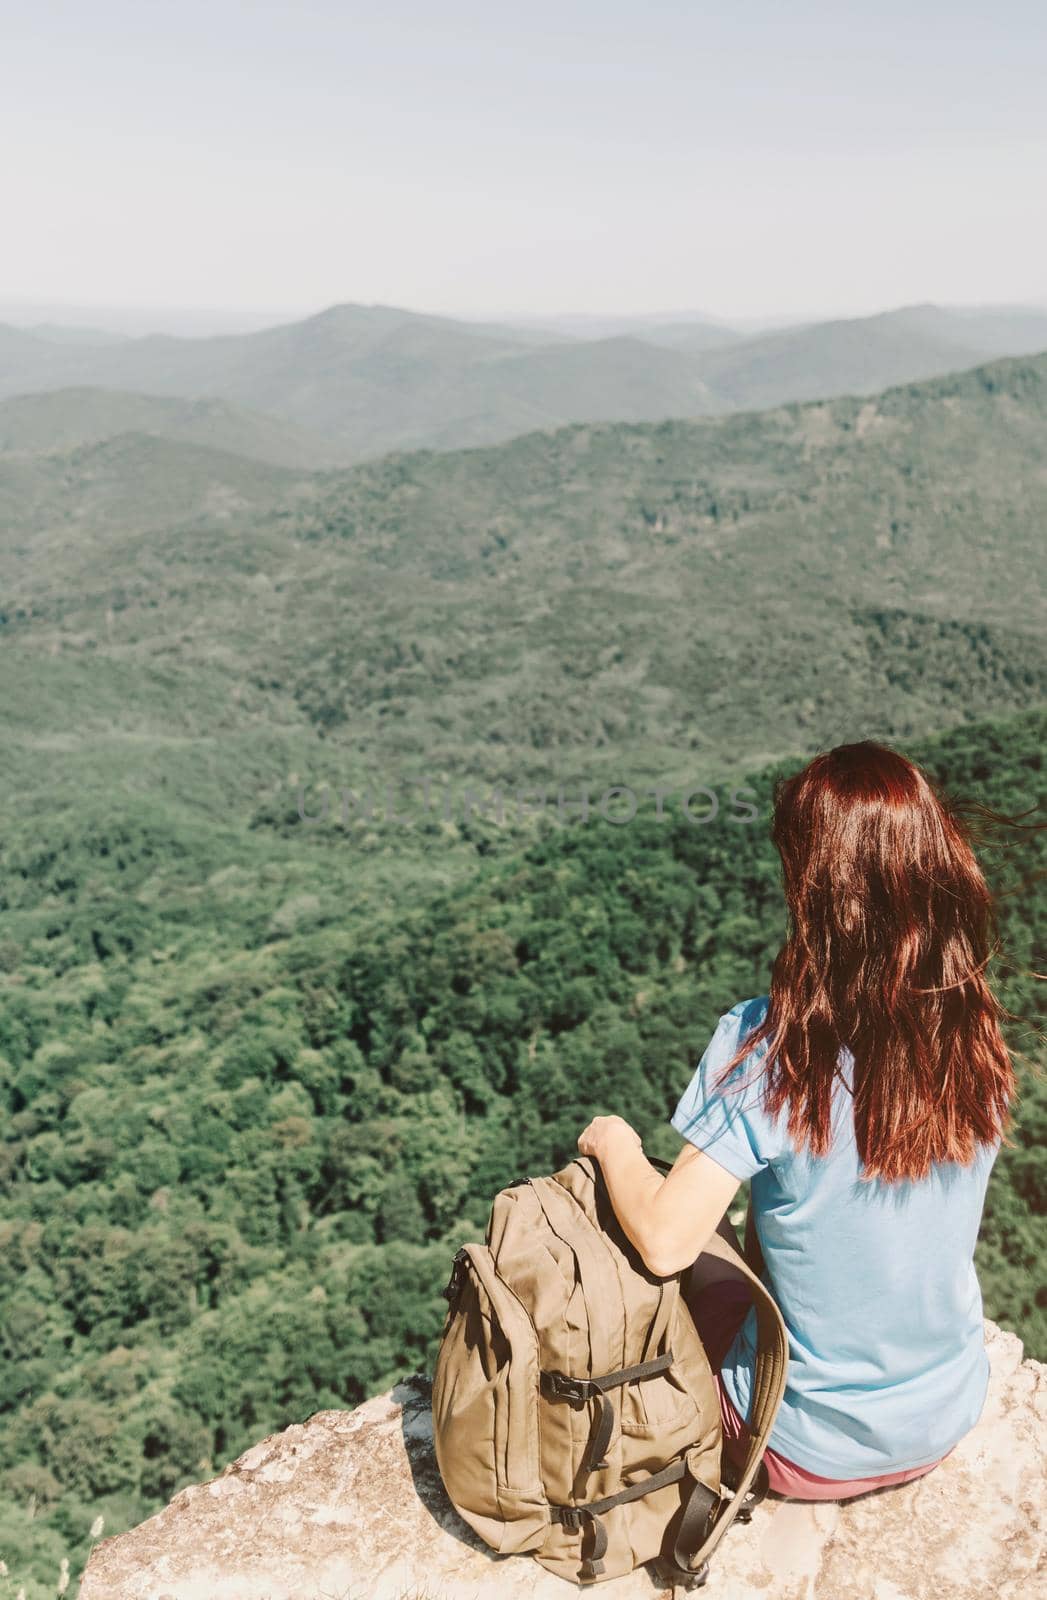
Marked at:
<point>349,1506</point>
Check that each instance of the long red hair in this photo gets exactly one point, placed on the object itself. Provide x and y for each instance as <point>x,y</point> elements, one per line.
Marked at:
<point>891,926</point>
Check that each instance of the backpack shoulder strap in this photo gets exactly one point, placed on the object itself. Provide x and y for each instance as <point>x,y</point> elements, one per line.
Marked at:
<point>772,1364</point>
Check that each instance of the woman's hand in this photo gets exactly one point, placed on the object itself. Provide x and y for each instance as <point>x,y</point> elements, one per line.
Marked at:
<point>671,1218</point>
<point>604,1135</point>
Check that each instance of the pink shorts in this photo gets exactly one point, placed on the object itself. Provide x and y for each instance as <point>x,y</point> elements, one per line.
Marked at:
<point>721,1310</point>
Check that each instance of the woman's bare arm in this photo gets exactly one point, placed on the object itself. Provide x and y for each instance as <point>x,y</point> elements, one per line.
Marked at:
<point>669,1218</point>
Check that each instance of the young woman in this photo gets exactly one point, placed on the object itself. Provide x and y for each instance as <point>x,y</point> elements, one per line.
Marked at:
<point>878,1094</point>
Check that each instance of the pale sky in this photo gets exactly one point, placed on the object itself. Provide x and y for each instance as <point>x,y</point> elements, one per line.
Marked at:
<point>749,158</point>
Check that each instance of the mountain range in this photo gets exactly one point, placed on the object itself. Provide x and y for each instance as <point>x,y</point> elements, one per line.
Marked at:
<point>626,602</point>
<point>356,382</point>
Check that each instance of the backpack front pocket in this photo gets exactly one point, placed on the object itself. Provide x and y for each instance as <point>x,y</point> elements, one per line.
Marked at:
<point>514,1346</point>
<point>661,1418</point>
<point>663,1401</point>
<point>485,1416</point>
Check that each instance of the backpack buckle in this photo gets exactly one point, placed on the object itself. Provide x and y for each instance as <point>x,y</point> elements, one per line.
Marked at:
<point>558,1386</point>
<point>457,1273</point>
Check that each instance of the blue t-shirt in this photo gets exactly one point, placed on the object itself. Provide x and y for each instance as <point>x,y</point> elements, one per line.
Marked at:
<point>875,1282</point>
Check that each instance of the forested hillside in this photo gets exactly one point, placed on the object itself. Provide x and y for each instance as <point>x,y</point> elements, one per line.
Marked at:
<point>657,603</point>
<point>244,1131</point>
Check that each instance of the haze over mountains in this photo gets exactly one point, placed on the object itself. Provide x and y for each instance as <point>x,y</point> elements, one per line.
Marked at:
<point>355,382</point>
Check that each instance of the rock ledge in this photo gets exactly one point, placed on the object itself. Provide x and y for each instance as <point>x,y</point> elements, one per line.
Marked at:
<point>349,1506</point>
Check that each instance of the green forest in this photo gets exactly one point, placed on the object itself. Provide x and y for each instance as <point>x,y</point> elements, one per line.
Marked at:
<point>262,1074</point>
<point>245,1130</point>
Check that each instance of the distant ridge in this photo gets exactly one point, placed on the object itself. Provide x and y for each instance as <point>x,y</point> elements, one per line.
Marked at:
<point>369,379</point>
<point>131,483</point>
<point>701,332</point>
<point>355,382</point>
<point>59,333</point>
<point>58,420</point>
<point>863,355</point>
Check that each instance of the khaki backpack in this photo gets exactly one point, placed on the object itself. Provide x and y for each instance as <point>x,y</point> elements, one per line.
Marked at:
<point>575,1415</point>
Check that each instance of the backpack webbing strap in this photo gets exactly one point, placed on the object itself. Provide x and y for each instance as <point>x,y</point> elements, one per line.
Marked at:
<point>558,1386</point>
<point>575,1517</point>
<point>699,1520</point>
